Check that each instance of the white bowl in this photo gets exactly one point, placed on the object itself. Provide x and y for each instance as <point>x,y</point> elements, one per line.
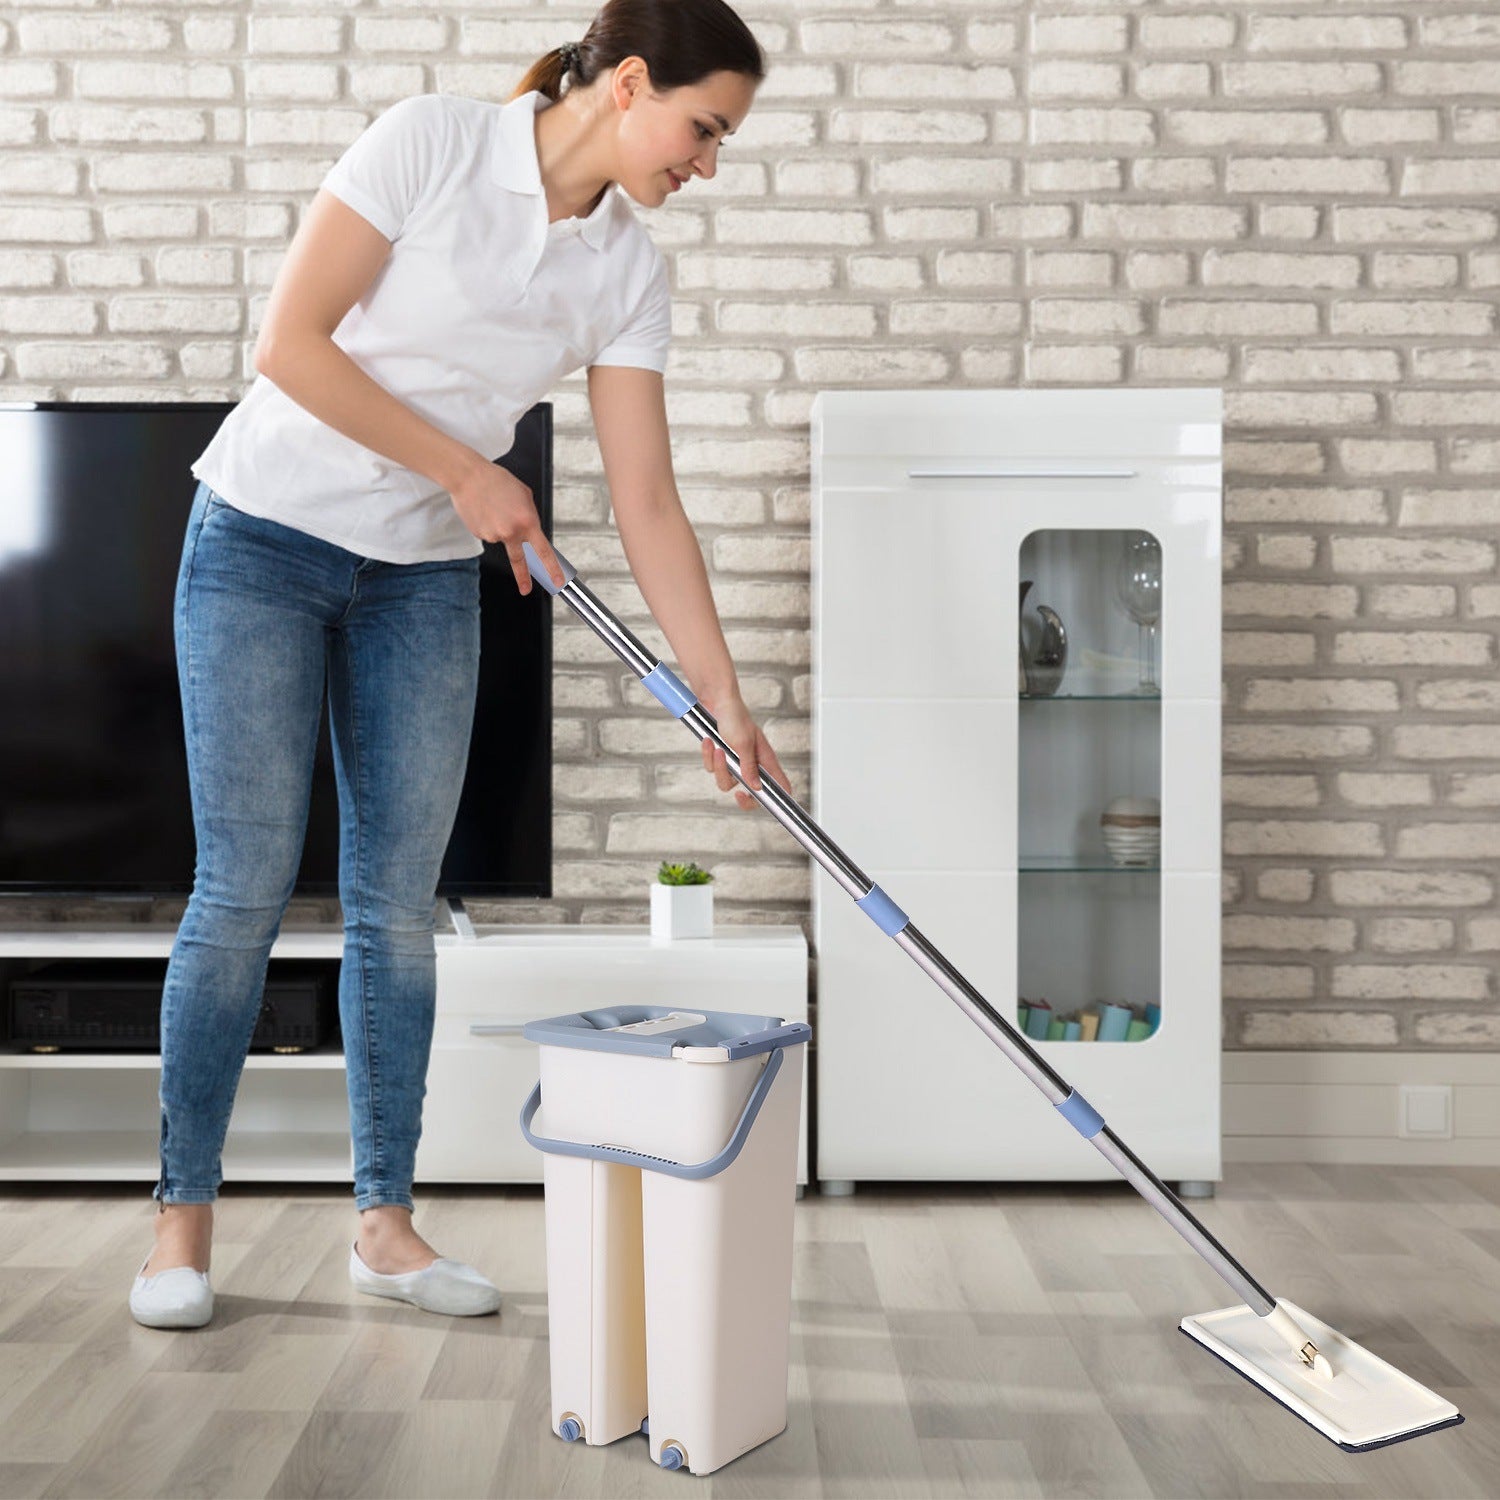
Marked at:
<point>1134,807</point>
<point>1133,846</point>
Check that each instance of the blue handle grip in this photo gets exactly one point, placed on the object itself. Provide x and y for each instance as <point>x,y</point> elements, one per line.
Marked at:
<point>709,1168</point>
<point>542,576</point>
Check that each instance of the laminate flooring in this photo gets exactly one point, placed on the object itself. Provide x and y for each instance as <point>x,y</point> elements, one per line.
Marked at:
<point>949,1340</point>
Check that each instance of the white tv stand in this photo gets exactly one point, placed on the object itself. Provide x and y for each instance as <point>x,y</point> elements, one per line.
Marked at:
<point>95,1116</point>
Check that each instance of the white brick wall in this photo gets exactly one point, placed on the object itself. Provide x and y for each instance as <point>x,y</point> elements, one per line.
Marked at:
<point>1298,203</point>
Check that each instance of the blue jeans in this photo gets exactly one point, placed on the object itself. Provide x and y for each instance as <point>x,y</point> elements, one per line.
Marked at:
<point>265,615</point>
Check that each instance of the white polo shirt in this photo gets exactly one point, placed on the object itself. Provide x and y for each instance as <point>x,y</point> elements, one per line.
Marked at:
<point>480,309</point>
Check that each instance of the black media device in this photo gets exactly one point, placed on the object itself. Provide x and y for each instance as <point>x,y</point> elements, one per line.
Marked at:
<point>94,500</point>
<point>116,1007</point>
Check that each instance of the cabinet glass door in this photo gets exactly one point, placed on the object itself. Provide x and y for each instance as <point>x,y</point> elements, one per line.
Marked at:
<point>1089,788</point>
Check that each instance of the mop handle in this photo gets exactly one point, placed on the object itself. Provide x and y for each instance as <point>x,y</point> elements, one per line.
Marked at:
<point>674,695</point>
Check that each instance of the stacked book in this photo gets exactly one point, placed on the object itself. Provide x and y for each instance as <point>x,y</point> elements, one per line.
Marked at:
<point>1103,1022</point>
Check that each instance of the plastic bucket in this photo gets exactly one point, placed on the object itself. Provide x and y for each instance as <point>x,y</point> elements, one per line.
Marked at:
<point>670,1179</point>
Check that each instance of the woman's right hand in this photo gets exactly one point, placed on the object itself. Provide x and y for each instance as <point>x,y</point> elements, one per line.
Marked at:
<point>497,507</point>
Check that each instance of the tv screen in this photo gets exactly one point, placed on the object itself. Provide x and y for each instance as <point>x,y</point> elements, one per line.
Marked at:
<point>94,500</point>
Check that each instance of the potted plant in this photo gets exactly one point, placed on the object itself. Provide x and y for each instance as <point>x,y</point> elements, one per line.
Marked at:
<point>682,903</point>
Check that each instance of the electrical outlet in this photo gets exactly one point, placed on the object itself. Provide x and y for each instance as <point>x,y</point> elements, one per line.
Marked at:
<point>1426,1112</point>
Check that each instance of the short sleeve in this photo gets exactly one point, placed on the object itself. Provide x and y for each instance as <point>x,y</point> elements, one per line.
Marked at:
<point>646,336</point>
<point>394,163</point>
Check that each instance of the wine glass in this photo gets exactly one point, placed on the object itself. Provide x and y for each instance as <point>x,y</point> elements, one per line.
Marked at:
<point>1138,589</point>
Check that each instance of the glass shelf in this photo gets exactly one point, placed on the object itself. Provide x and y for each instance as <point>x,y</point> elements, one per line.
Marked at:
<point>1072,864</point>
<point>1089,697</point>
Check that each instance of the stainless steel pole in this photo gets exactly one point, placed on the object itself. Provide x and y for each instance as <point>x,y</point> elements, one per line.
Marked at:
<point>675,696</point>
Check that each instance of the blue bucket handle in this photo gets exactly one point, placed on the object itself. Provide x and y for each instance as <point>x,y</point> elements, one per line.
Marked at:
<point>709,1168</point>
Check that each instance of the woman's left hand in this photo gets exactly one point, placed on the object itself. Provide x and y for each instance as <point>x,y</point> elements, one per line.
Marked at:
<point>748,742</point>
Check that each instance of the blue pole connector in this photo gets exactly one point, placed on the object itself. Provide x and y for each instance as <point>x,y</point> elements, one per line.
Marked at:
<point>1081,1115</point>
<point>671,1456</point>
<point>881,910</point>
<point>570,1431</point>
<point>669,690</point>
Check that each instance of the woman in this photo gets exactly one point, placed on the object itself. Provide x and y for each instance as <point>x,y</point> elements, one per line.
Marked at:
<point>460,258</point>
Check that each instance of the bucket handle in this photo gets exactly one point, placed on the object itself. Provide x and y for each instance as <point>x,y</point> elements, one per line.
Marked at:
<point>618,1154</point>
<point>788,1034</point>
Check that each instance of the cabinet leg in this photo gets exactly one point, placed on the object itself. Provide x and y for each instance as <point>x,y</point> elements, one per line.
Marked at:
<point>836,1188</point>
<point>1193,1188</point>
<point>801,1192</point>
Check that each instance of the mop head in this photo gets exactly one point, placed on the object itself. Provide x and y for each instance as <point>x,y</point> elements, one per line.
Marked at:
<point>1362,1403</point>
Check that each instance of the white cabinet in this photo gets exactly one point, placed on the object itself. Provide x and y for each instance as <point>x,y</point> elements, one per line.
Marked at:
<point>973,796</point>
<point>95,1117</point>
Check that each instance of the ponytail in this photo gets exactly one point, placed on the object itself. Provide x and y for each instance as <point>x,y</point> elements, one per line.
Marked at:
<point>545,75</point>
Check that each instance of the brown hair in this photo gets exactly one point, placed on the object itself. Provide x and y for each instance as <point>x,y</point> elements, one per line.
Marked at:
<point>682,42</point>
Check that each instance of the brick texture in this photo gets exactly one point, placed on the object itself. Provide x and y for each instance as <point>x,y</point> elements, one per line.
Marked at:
<point>1297,203</point>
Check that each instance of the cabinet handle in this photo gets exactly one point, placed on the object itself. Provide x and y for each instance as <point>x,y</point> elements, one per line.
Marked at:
<point>1021,473</point>
<point>496,1028</point>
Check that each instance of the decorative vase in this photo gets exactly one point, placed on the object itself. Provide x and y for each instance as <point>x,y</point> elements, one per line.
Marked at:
<point>1042,674</point>
<point>681,911</point>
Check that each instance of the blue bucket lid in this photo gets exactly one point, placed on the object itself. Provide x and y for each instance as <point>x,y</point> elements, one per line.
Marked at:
<point>654,1030</point>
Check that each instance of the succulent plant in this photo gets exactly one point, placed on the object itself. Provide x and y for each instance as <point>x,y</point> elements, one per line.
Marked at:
<point>689,874</point>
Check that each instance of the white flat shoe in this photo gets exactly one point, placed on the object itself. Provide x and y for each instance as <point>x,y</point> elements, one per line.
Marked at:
<point>178,1298</point>
<point>446,1286</point>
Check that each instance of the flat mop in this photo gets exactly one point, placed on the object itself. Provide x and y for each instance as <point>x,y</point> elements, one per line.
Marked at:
<point>1348,1394</point>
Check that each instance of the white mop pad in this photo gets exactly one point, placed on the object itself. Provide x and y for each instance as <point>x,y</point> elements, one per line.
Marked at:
<point>1364,1403</point>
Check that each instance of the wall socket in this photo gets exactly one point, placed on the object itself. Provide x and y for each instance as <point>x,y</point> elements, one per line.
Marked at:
<point>1426,1112</point>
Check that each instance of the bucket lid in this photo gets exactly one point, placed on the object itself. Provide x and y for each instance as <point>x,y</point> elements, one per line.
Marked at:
<point>655,1030</point>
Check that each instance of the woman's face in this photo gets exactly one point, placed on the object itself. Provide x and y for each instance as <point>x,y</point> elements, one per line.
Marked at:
<point>669,138</point>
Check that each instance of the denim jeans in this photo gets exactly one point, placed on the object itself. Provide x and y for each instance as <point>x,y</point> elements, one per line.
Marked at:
<point>265,617</point>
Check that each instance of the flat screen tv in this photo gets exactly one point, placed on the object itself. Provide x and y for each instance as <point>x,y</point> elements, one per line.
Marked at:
<point>94,499</point>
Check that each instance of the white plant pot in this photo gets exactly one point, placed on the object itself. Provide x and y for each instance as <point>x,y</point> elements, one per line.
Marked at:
<point>681,911</point>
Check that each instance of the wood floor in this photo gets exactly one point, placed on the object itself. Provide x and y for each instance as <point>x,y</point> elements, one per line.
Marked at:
<point>950,1341</point>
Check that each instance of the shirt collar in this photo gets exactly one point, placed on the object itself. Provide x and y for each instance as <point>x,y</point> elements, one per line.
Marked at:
<point>515,166</point>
